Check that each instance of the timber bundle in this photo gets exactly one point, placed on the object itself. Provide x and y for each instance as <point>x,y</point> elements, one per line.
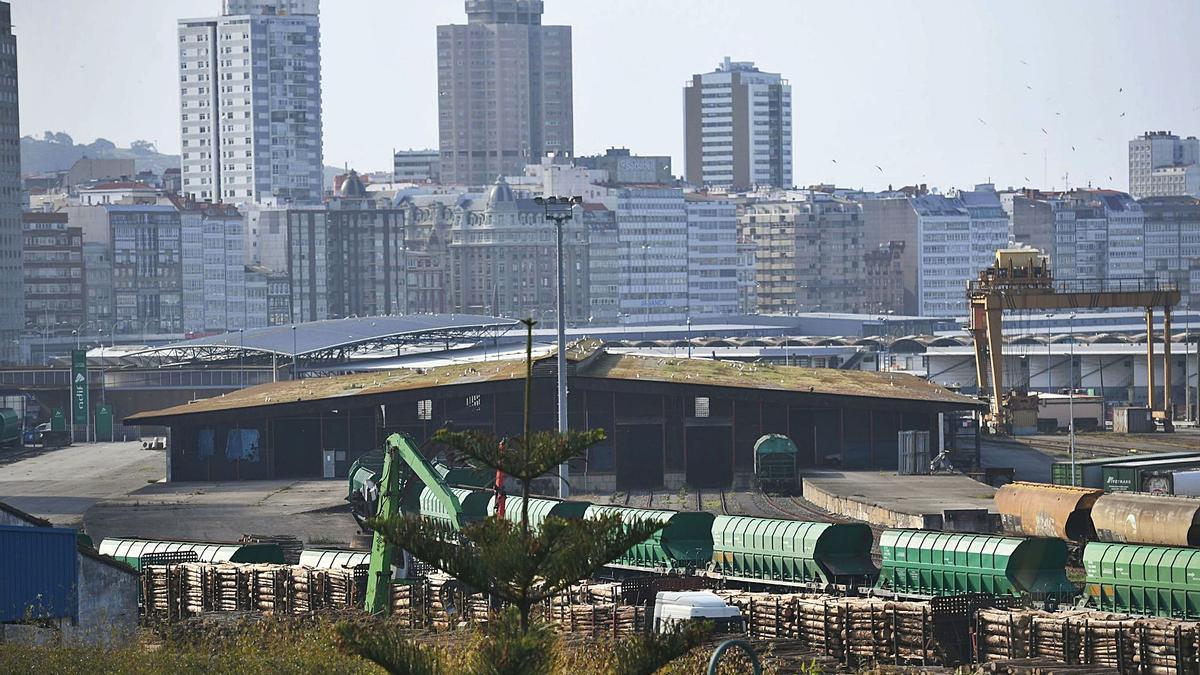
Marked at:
<point>1117,642</point>
<point>188,589</point>
<point>849,629</point>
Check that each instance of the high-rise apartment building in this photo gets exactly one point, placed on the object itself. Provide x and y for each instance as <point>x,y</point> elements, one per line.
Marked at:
<point>738,127</point>
<point>504,91</point>
<point>1161,164</point>
<point>12,304</point>
<point>250,103</point>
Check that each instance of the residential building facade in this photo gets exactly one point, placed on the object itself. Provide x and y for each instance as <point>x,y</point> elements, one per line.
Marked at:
<point>55,301</point>
<point>738,128</point>
<point>653,242</point>
<point>604,264</point>
<point>250,103</point>
<point>1161,164</point>
<point>808,254</point>
<point>504,91</point>
<point>12,303</point>
<point>1172,226</point>
<point>147,255</point>
<point>416,166</point>
<point>213,271</point>
<point>626,168</point>
<point>883,274</point>
<point>712,256</point>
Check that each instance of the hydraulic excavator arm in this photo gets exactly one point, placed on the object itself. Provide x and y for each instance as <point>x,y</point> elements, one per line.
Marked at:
<point>400,450</point>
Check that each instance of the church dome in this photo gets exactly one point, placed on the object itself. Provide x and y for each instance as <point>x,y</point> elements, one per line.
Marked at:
<point>500,192</point>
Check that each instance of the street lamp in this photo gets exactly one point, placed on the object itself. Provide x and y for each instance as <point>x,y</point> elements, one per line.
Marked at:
<point>241,358</point>
<point>295,374</point>
<point>1049,364</point>
<point>559,210</point>
<point>689,336</point>
<point>1071,394</point>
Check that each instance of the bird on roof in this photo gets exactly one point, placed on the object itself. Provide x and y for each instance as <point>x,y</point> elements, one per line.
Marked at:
<point>1122,114</point>
<point>834,161</point>
<point>1120,89</point>
<point>1044,130</point>
<point>1072,148</point>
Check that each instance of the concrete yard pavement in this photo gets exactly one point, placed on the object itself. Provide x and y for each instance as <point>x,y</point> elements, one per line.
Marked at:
<point>116,489</point>
<point>311,510</point>
<point>61,485</point>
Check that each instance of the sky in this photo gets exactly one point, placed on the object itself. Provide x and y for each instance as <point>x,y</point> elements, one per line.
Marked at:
<point>884,92</point>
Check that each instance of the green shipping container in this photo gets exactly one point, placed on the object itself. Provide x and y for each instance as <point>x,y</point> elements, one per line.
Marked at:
<point>928,563</point>
<point>1152,580</point>
<point>1134,476</point>
<point>539,509</point>
<point>130,551</point>
<point>1088,472</point>
<point>793,550</point>
<point>684,543</point>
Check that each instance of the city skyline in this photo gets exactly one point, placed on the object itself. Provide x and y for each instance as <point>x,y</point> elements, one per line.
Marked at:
<point>937,94</point>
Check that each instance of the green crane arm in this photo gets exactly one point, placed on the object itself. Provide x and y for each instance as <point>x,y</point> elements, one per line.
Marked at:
<point>400,448</point>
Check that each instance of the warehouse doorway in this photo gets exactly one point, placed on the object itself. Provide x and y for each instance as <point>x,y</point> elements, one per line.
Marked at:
<point>639,456</point>
<point>296,442</point>
<point>709,457</point>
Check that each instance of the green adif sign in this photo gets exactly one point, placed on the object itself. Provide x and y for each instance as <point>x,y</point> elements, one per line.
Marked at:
<point>79,387</point>
<point>104,422</point>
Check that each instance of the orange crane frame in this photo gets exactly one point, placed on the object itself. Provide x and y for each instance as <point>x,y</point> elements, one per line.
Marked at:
<point>1011,285</point>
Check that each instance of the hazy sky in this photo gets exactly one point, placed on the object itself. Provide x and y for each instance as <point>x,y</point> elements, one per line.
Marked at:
<point>949,92</point>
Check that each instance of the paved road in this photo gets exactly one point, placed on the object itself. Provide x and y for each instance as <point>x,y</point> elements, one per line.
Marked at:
<point>60,485</point>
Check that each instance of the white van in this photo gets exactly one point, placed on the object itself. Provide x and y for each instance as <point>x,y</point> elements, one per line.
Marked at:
<point>676,607</point>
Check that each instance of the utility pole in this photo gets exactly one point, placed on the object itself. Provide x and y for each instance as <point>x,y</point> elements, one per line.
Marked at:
<point>559,210</point>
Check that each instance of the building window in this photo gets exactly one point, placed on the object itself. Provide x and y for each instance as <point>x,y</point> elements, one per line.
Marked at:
<point>473,402</point>
<point>701,406</point>
<point>425,409</point>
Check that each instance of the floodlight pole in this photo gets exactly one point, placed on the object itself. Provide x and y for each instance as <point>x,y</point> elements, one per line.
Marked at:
<point>559,210</point>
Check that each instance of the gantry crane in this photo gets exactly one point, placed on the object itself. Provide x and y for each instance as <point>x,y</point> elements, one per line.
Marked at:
<point>1021,280</point>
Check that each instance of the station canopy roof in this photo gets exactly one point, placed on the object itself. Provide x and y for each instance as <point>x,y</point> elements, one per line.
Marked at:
<point>336,338</point>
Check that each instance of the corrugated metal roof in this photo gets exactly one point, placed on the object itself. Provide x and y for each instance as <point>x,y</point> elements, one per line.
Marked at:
<point>38,573</point>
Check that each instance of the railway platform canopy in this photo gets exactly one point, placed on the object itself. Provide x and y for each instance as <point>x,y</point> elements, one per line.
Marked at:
<point>334,340</point>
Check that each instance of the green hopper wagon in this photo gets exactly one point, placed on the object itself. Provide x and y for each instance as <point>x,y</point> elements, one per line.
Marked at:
<point>920,562</point>
<point>131,551</point>
<point>1136,579</point>
<point>330,558</point>
<point>474,505</point>
<point>793,550</point>
<point>539,508</point>
<point>685,542</point>
<point>775,462</point>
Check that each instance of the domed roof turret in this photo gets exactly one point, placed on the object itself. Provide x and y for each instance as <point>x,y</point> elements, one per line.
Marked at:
<point>500,193</point>
<point>352,187</point>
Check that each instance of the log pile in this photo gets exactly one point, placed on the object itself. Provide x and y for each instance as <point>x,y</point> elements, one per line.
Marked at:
<point>188,589</point>
<point>856,630</point>
<point>1116,642</point>
<point>597,619</point>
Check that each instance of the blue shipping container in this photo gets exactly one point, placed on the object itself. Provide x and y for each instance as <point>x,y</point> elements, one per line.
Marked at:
<point>38,573</point>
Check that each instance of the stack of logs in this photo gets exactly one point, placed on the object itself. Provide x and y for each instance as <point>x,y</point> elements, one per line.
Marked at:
<point>849,629</point>
<point>1121,643</point>
<point>188,589</point>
